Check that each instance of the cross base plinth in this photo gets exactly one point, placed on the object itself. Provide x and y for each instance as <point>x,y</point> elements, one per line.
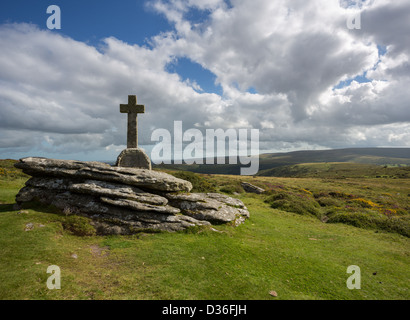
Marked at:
<point>133,158</point>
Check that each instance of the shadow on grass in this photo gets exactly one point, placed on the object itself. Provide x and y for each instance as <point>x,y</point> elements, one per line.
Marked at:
<point>34,205</point>
<point>6,207</point>
<point>77,225</point>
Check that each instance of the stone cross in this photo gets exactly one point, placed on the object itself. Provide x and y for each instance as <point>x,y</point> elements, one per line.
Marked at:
<point>132,108</point>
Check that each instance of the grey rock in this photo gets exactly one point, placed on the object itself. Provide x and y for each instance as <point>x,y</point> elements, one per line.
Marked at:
<point>99,188</point>
<point>47,183</point>
<point>209,206</point>
<point>124,200</point>
<point>227,200</point>
<point>110,218</point>
<point>26,194</point>
<point>114,190</point>
<point>128,227</point>
<point>134,158</point>
<point>248,187</point>
<point>144,178</point>
<point>29,226</point>
<point>139,206</point>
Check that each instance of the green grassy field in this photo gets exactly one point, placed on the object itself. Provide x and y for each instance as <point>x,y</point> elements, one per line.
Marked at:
<point>290,250</point>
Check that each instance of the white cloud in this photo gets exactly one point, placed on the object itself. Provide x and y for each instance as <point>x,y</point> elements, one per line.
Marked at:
<point>68,93</point>
<point>60,94</point>
<point>300,50</point>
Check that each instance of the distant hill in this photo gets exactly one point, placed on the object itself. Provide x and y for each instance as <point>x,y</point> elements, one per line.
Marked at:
<point>283,164</point>
<point>380,156</point>
<point>338,170</point>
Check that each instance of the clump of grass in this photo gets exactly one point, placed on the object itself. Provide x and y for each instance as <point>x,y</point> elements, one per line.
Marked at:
<point>292,202</point>
<point>231,187</point>
<point>342,206</point>
<point>364,203</point>
<point>341,195</point>
<point>372,220</point>
<point>329,202</point>
<point>196,229</point>
<point>272,188</point>
<point>399,224</point>
<point>9,172</point>
<point>357,219</point>
<point>199,183</point>
<point>79,226</point>
<point>394,211</point>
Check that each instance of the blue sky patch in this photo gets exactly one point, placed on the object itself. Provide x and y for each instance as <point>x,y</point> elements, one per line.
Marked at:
<point>361,79</point>
<point>92,20</point>
<point>187,69</point>
<point>195,15</point>
<point>382,50</point>
<point>252,90</point>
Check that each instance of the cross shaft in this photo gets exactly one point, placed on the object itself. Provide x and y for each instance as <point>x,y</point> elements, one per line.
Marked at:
<point>132,108</point>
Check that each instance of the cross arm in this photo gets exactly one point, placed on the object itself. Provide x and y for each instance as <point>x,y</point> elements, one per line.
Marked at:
<point>126,108</point>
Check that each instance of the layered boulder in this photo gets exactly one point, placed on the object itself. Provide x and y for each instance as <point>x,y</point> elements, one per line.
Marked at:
<point>121,200</point>
<point>248,187</point>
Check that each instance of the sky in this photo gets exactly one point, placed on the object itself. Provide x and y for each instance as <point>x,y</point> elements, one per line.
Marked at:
<point>294,70</point>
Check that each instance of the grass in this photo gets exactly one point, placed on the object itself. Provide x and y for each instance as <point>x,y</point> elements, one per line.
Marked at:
<point>339,170</point>
<point>296,255</point>
<point>199,182</point>
<point>367,203</point>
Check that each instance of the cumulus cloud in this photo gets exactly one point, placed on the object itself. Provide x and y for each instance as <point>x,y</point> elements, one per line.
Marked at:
<point>68,93</point>
<point>63,95</point>
<point>295,54</point>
